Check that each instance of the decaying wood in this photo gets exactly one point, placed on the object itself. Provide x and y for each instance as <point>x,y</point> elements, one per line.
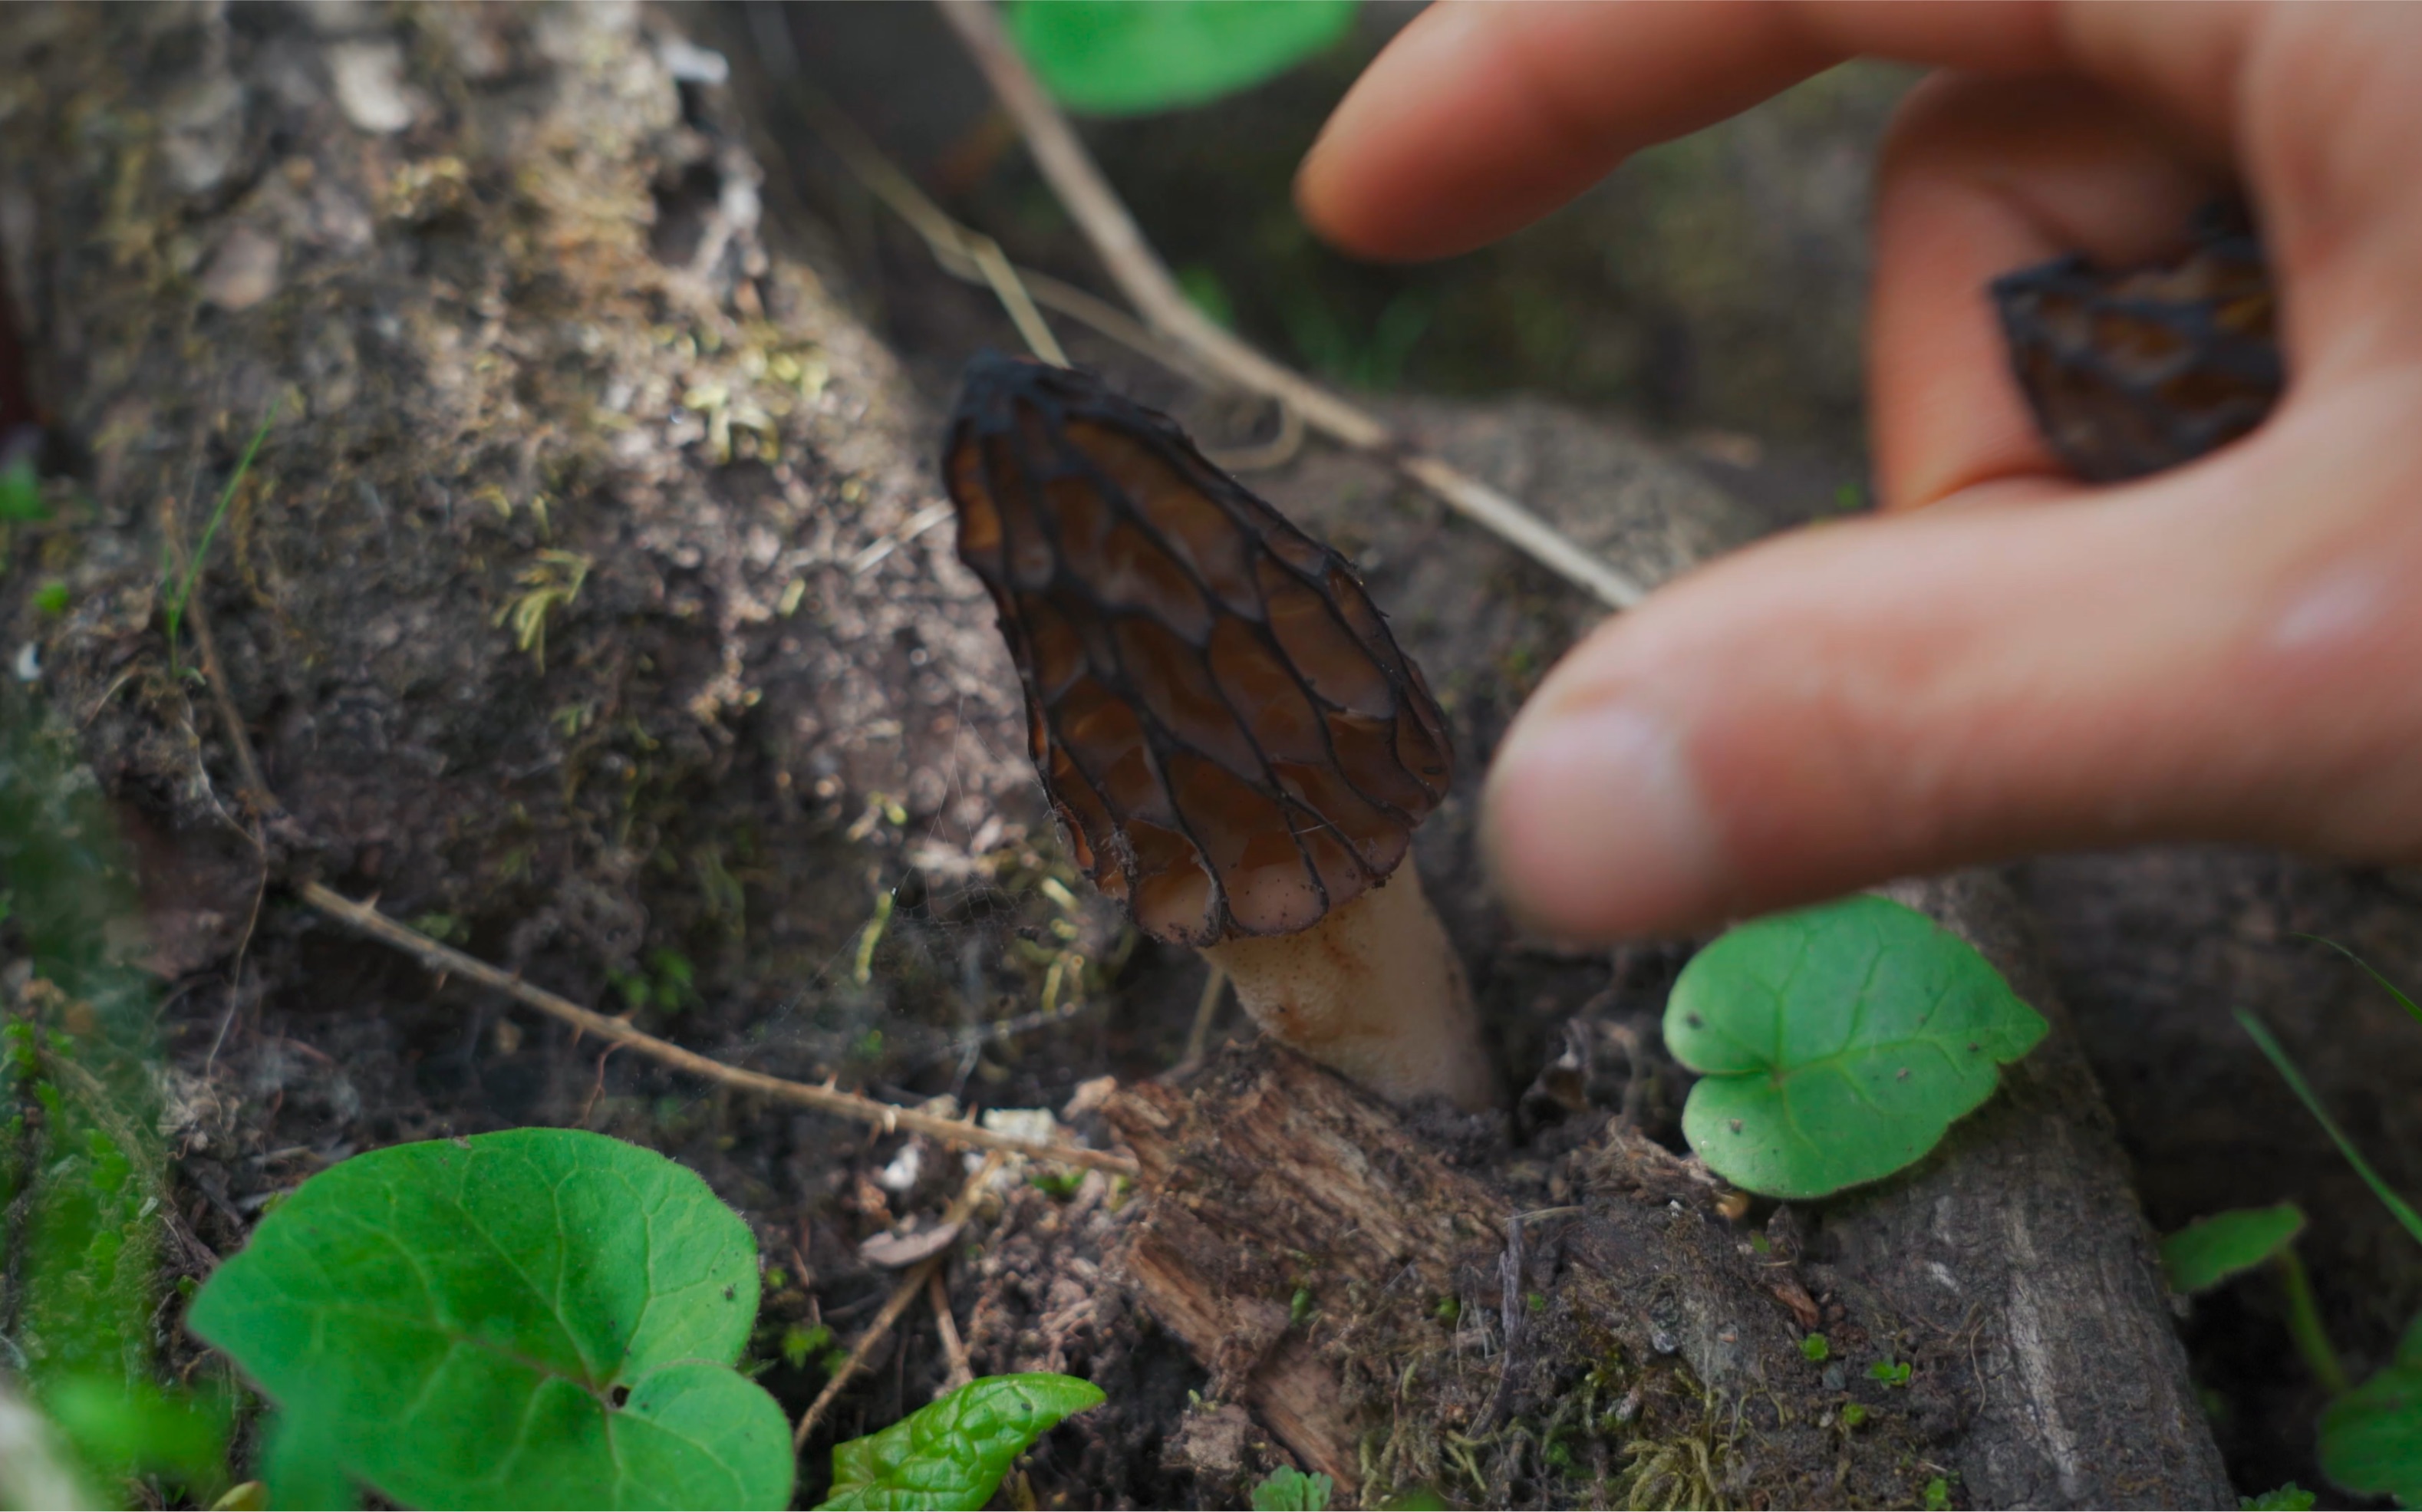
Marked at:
<point>1345,1282</point>
<point>2021,1241</point>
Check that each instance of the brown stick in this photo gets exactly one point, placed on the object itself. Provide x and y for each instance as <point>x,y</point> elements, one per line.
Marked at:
<point>1148,285</point>
<point>445,960</point>
<point>929,1268</point>
<point>953,1347</point>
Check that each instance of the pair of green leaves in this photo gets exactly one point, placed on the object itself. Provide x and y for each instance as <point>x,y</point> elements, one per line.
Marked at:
<point>1835,1044</point>
<point>2371,1435</point>
<point>547,1317</point>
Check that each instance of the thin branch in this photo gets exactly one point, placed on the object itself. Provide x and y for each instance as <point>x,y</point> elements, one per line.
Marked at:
<point>954,1348</point>
<point>901,1296</point>
<point>1198,1039</point>
<point>960,1045</point>
<point>970,256</point>
<point>1146,281</point>
<point>444,960</point>
<point>966,252</point>
<point>256,791</point>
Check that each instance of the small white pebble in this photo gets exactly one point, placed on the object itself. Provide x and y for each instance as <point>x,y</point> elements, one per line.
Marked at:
<point>368,78</point>
<point>904,1169</point>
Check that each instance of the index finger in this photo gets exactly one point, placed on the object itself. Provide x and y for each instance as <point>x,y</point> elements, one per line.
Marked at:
<point>1479,118</point>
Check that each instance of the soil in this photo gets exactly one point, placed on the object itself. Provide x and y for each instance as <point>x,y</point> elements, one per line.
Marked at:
<point>549,337</point>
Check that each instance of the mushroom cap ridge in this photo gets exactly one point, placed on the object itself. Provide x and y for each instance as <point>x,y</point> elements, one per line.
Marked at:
<point>1233,740</point>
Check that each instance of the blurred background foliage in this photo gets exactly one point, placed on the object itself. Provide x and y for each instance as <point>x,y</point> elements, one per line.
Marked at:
<point>82,1219</point>
<point>1714,284</point>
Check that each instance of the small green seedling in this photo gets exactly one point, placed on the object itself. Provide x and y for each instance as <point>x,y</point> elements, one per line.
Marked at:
<point>2289,1498</point>
<point>51,599</point>
<point>1122,58</point>
<point>2206,1253</point>
<point>1835,1044</point>
<point>1891,1372</point>
<point>1289,1489</point>
<point>954,1452</point>
<point>1060,1185</point>
<point>1938,1495</point>
<point>2371,1435</point>
<point>1854,1414</point>
<point>537,1318</point>
<point>798,1343</point>
<point>1816,1347</point>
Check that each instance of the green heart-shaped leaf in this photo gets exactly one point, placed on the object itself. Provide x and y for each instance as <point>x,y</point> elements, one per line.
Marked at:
<point>953,1451</point>
<point>1835,1044</point>
<point>538,1317</point>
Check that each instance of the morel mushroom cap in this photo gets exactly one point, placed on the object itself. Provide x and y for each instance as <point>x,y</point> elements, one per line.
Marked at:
<point>1233,739</point>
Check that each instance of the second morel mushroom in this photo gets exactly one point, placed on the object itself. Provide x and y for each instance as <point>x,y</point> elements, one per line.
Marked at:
<point>1234,743</point>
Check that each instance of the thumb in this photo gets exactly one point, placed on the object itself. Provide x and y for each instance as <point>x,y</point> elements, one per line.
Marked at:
<point>2023,667</point>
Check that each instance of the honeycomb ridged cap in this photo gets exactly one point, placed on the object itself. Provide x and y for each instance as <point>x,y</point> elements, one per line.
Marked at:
<point>1233,740</point>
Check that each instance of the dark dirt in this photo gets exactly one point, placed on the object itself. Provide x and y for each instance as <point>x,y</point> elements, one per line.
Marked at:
<point>503,360</point>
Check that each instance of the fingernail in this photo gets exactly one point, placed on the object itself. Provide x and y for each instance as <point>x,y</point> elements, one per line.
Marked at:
<point>1596,825</point>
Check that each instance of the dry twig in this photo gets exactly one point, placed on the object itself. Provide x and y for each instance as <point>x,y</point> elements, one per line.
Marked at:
<point>1146,281</point>
<point>910,1284</point>
<point>954,243</point>
<point>953,1347</point>
<point>828,1099</point>
<point>1198,1039</point>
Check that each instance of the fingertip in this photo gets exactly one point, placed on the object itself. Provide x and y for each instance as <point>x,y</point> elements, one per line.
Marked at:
<point>1593,825</point>
<point>1360,187</point>
<point>1478,120</point>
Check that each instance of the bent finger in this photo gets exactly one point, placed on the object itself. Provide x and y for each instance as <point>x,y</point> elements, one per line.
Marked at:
<point>1906,694</point>
<point>1479,118</point>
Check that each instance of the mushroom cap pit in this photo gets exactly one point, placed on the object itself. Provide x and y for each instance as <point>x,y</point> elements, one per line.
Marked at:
<point>1233,740</point>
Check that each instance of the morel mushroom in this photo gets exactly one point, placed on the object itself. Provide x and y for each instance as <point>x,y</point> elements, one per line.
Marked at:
<point>1236,747</point>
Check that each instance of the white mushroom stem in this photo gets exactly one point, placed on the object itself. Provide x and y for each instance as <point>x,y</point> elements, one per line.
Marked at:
<point>1375,991</point>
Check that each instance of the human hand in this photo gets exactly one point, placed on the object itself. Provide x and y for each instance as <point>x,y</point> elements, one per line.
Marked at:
<point>2003,660</point>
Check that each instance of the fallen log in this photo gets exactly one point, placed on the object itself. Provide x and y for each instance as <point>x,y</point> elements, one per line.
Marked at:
<point>1398,1321</point>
